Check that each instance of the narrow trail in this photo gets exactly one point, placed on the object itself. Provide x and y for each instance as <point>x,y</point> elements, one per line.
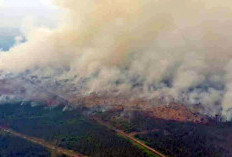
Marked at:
<point>140,143</point>
<point>132,134</point>
<point>131,137</point>
<point>43,143</point>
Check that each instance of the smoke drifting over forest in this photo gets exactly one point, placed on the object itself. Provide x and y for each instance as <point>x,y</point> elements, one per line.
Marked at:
<point>180,50</point>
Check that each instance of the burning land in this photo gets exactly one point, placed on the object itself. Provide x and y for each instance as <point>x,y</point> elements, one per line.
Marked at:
<point>106,125</point>
<point>122,78</point>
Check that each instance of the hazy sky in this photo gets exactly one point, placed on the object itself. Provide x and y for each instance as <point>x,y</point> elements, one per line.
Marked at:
<point>12,12</point>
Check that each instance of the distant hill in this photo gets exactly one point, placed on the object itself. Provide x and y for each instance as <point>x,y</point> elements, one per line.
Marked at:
<point>7,37</point>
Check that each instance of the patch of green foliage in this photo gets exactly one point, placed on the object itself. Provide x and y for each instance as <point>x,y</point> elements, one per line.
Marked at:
<point>187,139</point>
<point>69,129</point>
<point>175,139</point>
<point>11,146</point>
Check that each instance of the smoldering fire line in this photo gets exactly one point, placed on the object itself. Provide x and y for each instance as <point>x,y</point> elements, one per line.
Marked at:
<point>155,48</point>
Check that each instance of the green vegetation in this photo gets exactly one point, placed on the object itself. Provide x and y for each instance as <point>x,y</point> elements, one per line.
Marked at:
<point>67,129</point>
<point>187,139</point>
<point>72,130</point>
<point>149,153</point>
<point>175,138</point>
<point>11,146</point>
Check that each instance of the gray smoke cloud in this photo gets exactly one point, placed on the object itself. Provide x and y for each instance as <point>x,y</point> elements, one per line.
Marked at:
<point>180,50</point>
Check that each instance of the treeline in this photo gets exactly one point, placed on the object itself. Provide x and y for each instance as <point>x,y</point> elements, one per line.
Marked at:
<point>69,129</point>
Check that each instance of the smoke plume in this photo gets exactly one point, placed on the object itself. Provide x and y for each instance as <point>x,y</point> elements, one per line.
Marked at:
<point>177,49</point>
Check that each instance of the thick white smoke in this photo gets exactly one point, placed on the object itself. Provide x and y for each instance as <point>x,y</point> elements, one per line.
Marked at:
<point>155,48</point>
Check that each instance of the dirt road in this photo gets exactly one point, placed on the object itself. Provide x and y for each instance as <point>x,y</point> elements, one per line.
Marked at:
<point>72,153</point>
<point>130,136</point>
<point>43,143</point>
<point>140,143</point>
